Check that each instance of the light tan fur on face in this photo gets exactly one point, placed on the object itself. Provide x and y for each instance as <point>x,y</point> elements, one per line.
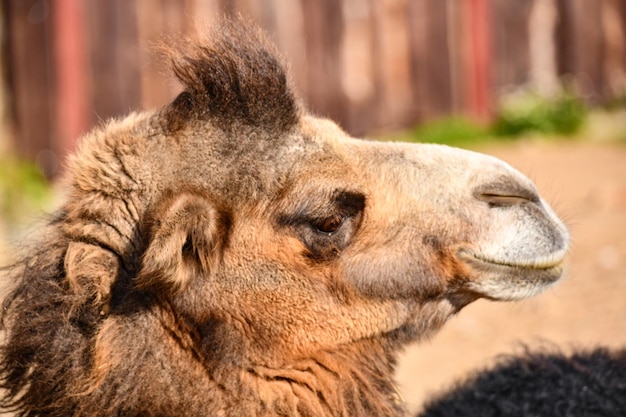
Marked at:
<point>230,254</point>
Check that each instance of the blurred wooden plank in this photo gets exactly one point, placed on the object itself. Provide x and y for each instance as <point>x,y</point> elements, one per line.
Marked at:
<point>251,9</point>
<point>565,43</point>
<point>542,47</point>
<point>438,70</point>
<point>589,49</point>
<point>431,66</point>
<point>510,43</point>
<point>456,39</point>
<point>73,107</point>
<point>30,75</point>
<point>395,106</point>
<point>323,27</point>
<point>6,124</point>
<point>262,12</point>
<point>357,69</point>
<point>479,65</point>
<point>417,24</point>
<point>203,11</point>
<point>116,85</point>
<point>289,35</point>
<point>167,23</point>
<point>615,40</point>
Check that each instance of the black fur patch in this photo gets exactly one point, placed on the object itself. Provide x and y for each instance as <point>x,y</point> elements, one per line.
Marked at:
<point>539,383</point>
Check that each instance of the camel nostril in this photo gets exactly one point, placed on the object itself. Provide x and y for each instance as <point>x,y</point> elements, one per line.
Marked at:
<point>497,200</point>
<point>505,193</point>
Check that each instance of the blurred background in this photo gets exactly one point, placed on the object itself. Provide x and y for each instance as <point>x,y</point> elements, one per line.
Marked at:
<point>371,65</point>
<point>539,83</point>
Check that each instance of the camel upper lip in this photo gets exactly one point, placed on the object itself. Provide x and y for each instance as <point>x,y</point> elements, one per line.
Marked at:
<point>550,261</point>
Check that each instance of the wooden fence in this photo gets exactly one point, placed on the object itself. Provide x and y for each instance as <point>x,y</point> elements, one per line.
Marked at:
<point>372,65</point>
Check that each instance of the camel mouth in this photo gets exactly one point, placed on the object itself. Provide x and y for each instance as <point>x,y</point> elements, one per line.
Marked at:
<point>543,263</point>
<point>512,279</point>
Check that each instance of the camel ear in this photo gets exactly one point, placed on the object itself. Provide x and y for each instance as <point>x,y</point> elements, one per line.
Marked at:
<point>183,232</point>
<point>90,271</point>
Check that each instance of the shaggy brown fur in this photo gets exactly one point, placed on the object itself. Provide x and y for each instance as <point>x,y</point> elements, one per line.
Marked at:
<point>231,255</point>
<point>234,80</point>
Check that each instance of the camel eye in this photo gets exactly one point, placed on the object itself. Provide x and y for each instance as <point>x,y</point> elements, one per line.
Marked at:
<point>330,225</point>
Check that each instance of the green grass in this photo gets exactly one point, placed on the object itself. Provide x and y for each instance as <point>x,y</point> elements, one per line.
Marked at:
<point>530,112</point>
<point>454,131</point>
<point>23,190</point>
<point>521,114</point>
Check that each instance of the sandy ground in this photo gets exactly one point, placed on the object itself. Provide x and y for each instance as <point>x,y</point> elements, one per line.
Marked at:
<point>585,182</point>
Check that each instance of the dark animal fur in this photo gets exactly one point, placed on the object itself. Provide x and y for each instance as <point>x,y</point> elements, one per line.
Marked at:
<point>237,77</point>
<point>541,384</point>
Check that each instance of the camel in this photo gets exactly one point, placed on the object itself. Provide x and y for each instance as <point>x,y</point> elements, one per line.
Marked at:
<point>231,254</point>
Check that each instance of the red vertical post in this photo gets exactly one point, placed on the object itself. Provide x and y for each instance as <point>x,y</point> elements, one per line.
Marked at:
<point>479,68</point>
<point>70,60</point>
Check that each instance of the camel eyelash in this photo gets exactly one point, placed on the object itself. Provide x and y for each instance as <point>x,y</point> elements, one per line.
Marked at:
<point>325,216</point>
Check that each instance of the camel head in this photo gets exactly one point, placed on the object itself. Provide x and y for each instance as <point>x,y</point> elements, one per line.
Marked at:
<point>253,211</point>
<point>236,228</point>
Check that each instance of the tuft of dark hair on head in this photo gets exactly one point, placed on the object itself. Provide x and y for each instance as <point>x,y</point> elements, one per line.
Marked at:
<point>233,75</point>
